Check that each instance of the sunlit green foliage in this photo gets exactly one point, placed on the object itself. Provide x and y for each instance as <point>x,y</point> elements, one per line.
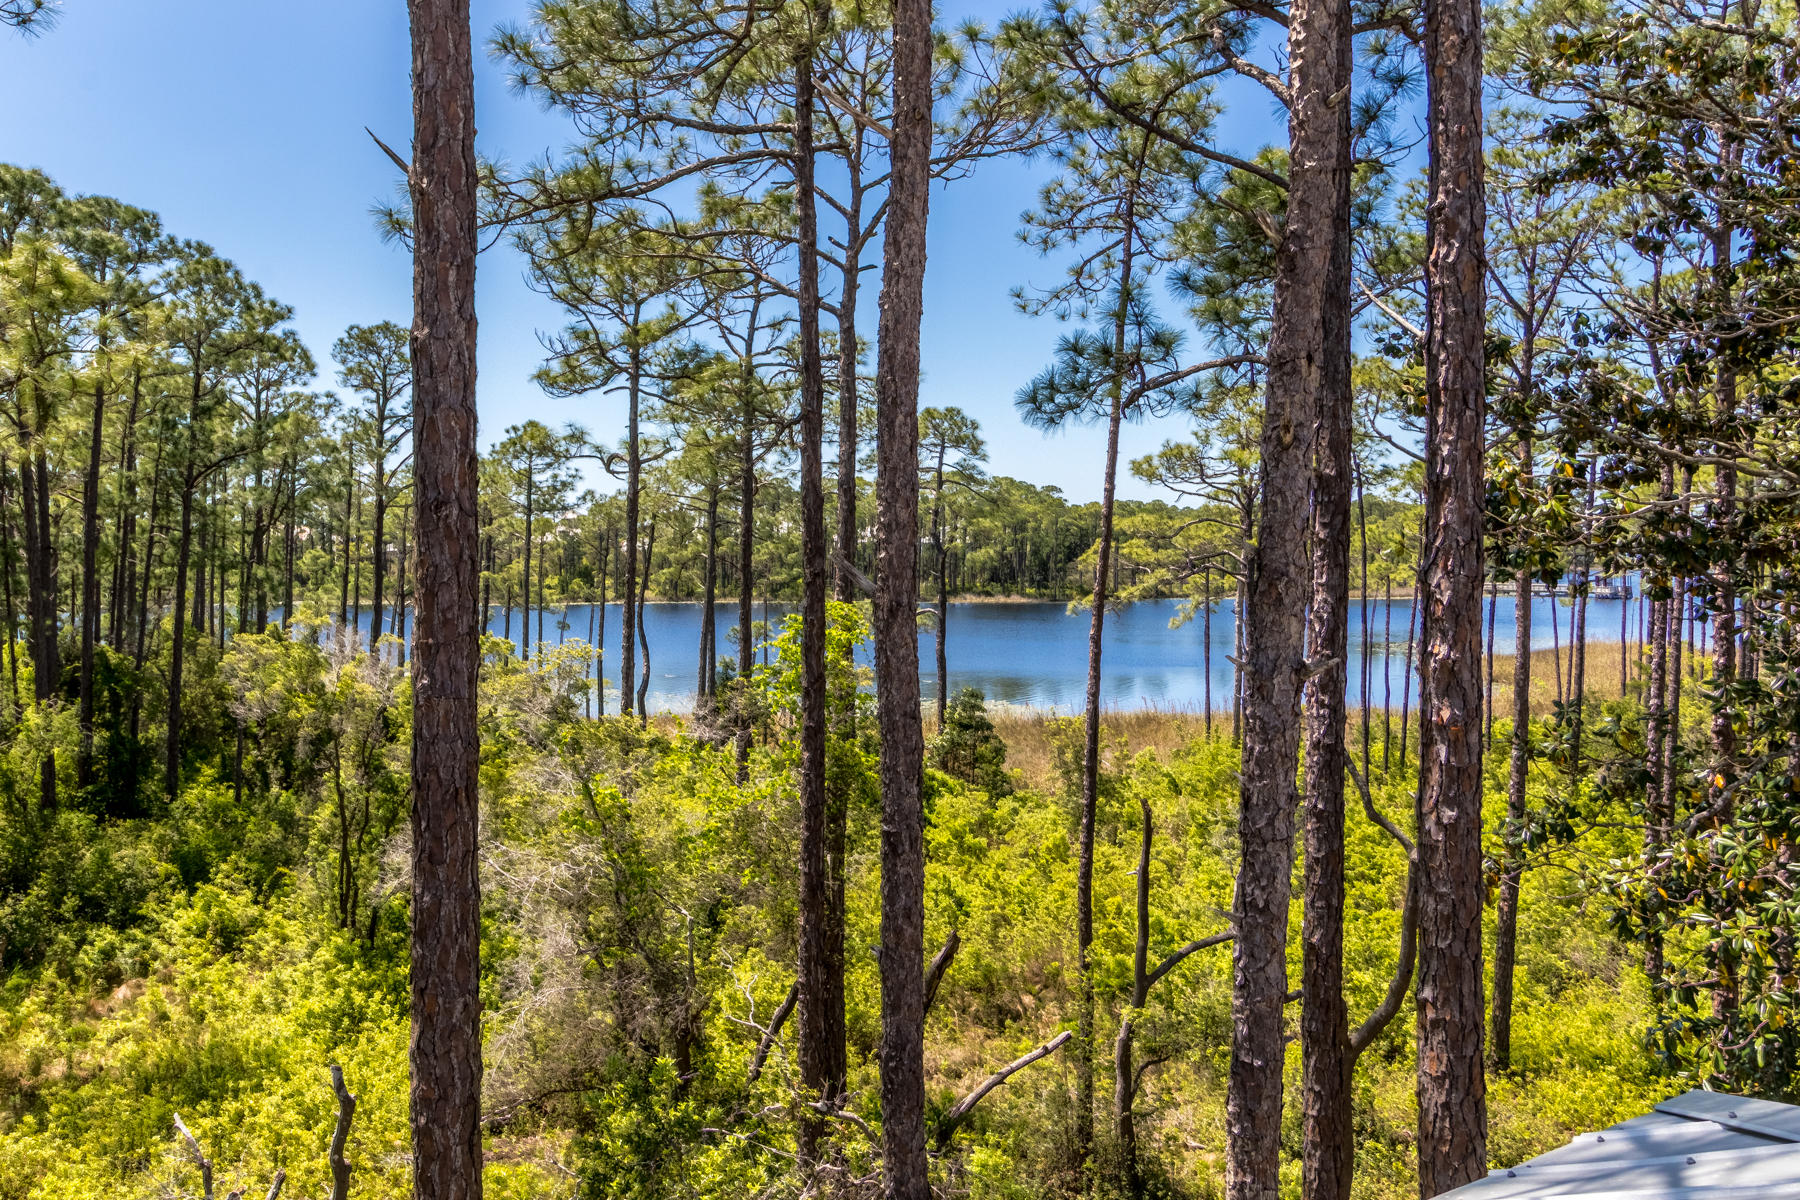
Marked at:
<point>639,933</point>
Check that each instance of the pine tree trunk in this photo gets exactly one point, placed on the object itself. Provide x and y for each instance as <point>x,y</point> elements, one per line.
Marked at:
<point>1506,910</point>
<point>1387,665</point>
<point>1449,996</point>
<point>197,616</point>
<point>902,1053</point>
<point>1308,333</point>
<point>1724,599</point>
<point>600,633</point>
<point>221,575</point>
<point>643,635</point>
<point>1414,614</point>
<point>344,581</point>
<point>709,650</point>
<point>1321,28</point>
<point>746,557</point>
<point>6,585</point>
<point>1362,604</point>
<point>177,650</point>
<point>1578,632</point>
<point>1206,653</point>
<point>1239,597</point>
<point>90,586</point>
<point>1657,820</point>
<point>446,908</point>
<point>628,579</point>
<point>378,566</point>
<point>525,567</point>
<point>1124,1071</point>
<point>400,584</point>
<point>845,541</point>
<point>356,584</point>
<point>943,589</point>
<point>124,561</point>
<point>40,598</point>
<point>1090,755</point>
<point>1679,605</point>
<point>287,557</point>
<point>1487,694</point>
<point>487,572</point>
<point>821,1062</point>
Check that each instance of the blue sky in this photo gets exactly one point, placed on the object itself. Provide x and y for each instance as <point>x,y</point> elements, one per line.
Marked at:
<point>241,123</point>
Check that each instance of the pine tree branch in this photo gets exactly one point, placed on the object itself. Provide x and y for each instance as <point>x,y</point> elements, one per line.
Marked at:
<point>767,1042</point>
<point>961,1110</point>
<point>940,963</point>
<point>389,151</point>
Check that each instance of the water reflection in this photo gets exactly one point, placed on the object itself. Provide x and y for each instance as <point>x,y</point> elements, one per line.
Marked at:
<point>1034,653</point>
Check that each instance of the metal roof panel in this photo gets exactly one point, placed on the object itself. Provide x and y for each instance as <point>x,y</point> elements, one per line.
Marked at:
<point>1669,1135</point>
<point>1698,1146</point>
<point>1745,1113</point>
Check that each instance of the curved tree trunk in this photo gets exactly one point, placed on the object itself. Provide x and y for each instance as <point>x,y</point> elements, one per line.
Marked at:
<point>643,684</point>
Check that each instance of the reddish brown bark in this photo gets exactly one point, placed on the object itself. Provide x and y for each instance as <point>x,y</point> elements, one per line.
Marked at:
<point>1304,309</point>
<point>446,914</point>
<point>821,1031</point>
<point>1321,30</point>
<point>1452,1136</point>
<point>896,600</point>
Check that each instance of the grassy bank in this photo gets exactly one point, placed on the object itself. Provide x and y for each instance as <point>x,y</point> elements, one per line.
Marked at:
<point>1034,737</point>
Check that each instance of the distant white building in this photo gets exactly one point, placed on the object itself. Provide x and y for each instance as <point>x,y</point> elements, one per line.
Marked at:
<point>1699,1146</point>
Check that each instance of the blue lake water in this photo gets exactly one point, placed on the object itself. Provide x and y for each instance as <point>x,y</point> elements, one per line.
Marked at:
<point>1035,653</point>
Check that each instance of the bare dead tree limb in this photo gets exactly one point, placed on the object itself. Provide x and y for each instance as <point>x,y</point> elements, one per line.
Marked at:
<point>848,1118</point>
<point>1174,960</point>
<point>773,1031</point>
<point>961,1110</point>
<point>1376,815</point>
<point>940,963</point>
<point>275,1185</point>
<point>200,1159</point>
<point>863,583</point>
<point>389,151</point>
<point>1364,1035</point>
<point>1393,314</point>
<point>340,1166</point>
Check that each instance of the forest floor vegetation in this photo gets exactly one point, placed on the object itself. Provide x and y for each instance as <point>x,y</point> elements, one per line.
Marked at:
<point>213,957</point>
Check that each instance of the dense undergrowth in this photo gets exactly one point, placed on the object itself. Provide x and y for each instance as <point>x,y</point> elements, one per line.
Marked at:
<point>213,956</point>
